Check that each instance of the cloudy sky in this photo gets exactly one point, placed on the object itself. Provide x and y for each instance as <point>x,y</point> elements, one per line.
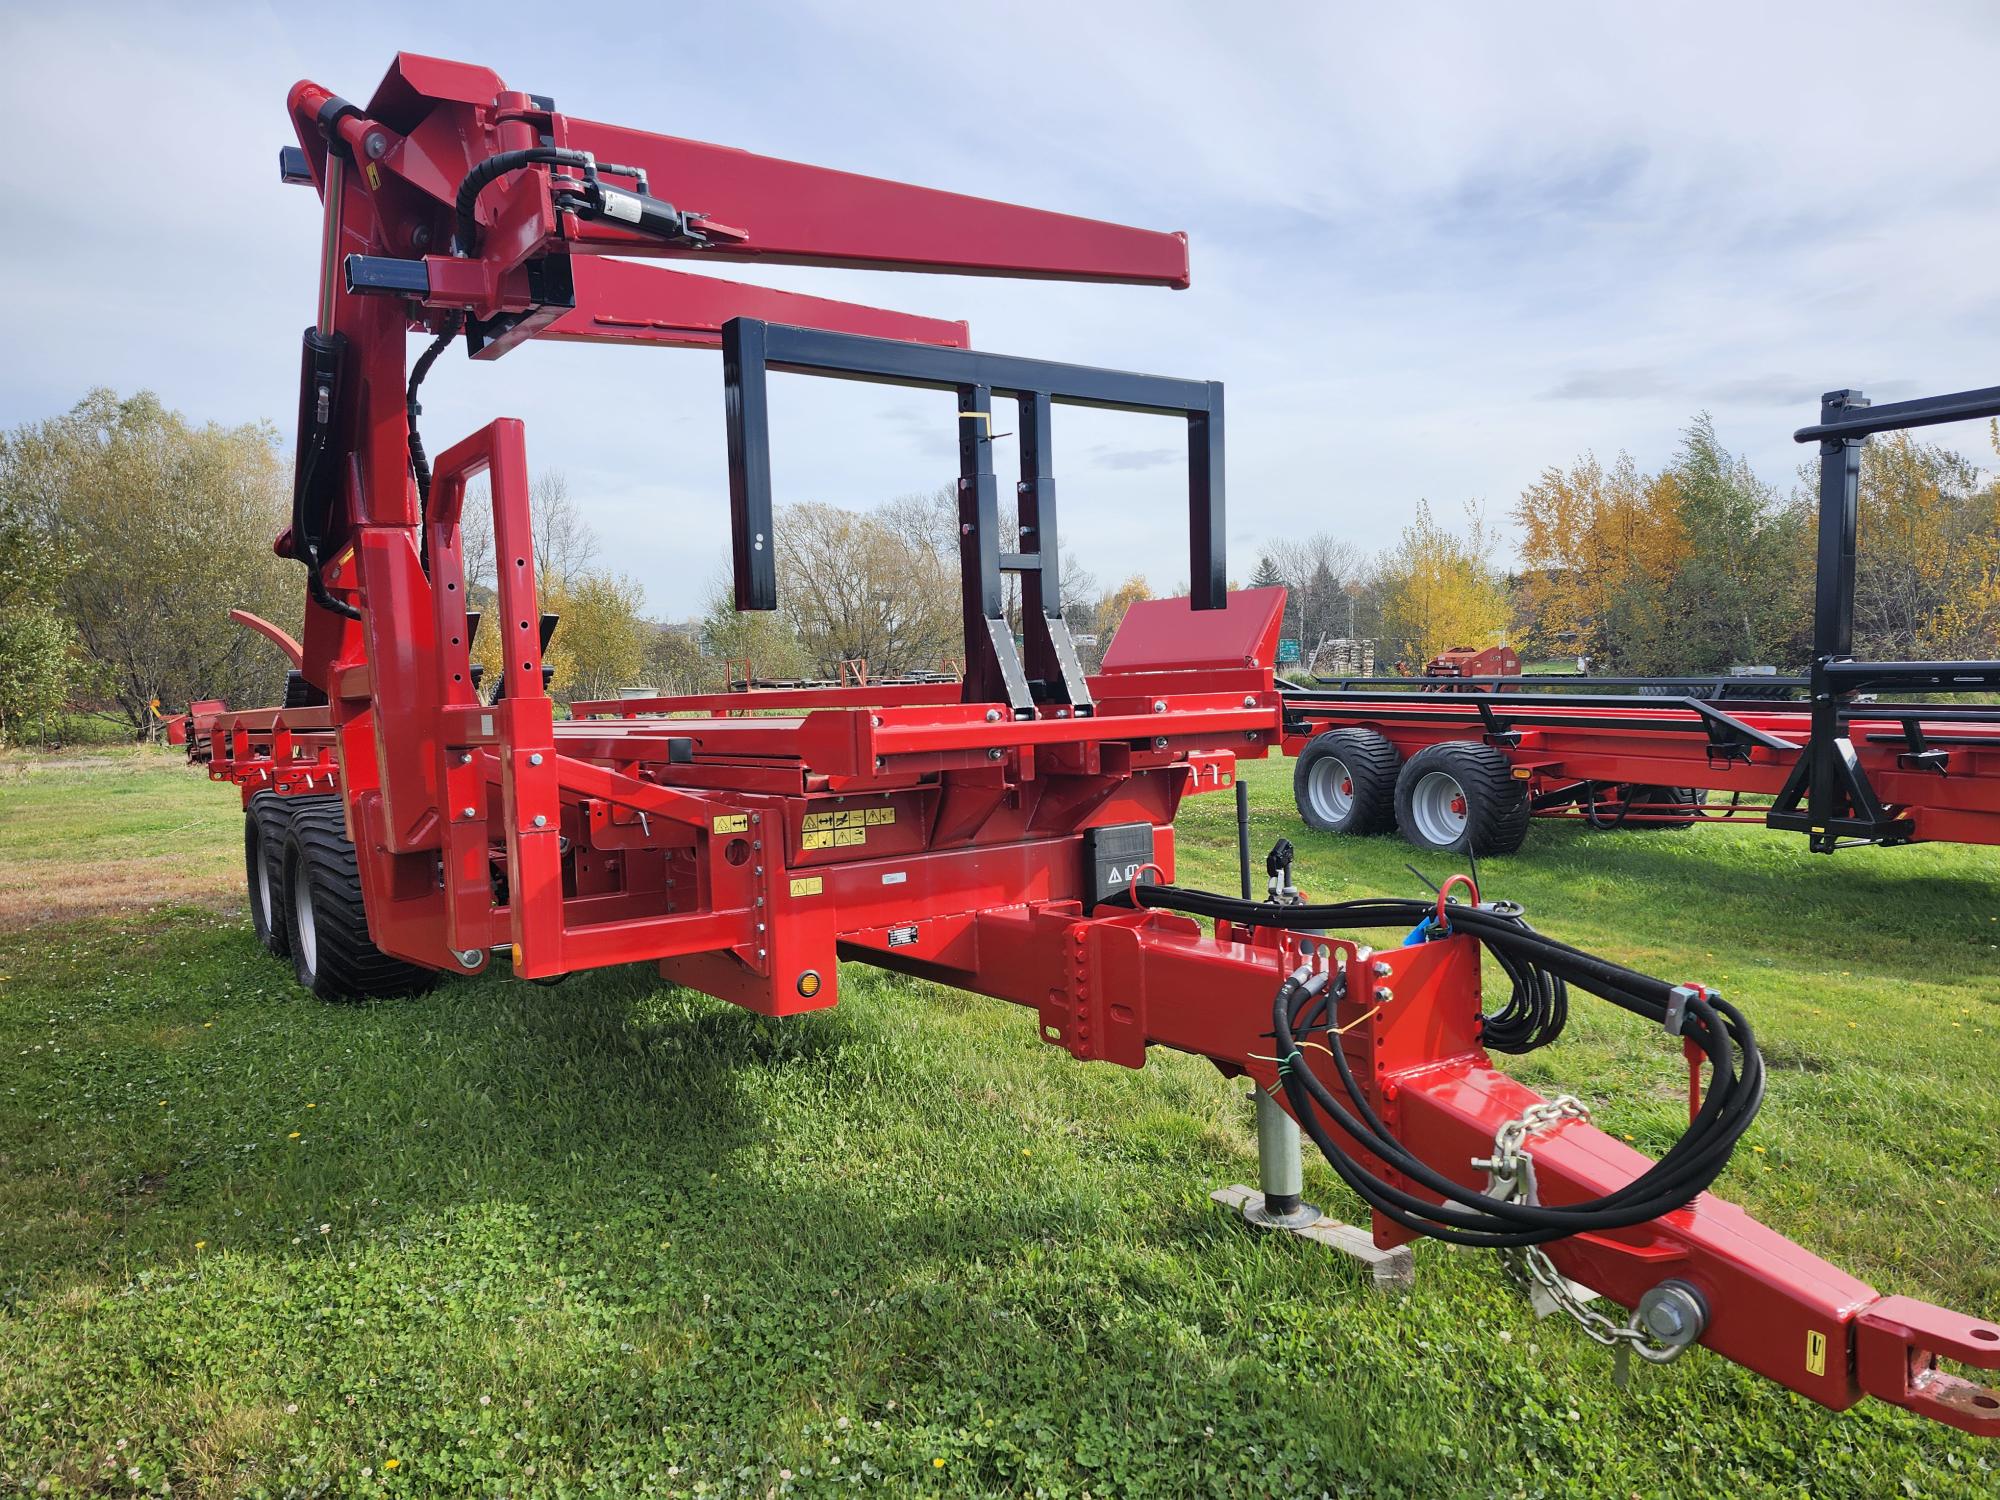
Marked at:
<point>1435,249</point>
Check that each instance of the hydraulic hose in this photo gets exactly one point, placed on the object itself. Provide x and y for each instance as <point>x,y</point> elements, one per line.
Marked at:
<point>498,166</point>
<point>1596,819</point>
<point>420,464</point>
<point>1347,1129</point>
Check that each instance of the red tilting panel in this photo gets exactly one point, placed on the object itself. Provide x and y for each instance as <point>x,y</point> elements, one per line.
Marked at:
<point>1168,635</point>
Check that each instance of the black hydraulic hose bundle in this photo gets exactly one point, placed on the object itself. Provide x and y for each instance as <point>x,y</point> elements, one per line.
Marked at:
<point>1303,1005</point>
<point>1596,819</point>
<point>313,483</point>
<point>420,464</point>
<point>498,166</point>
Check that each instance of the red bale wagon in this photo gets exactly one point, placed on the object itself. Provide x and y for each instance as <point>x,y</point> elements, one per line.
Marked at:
<point>1010,834</point>
<point>1467,770</point>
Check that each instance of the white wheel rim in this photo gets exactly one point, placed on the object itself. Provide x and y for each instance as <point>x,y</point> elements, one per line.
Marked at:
<point>1330,788</point>
<point>1437,807</point>
<point>266,908</point>
<point>304,934</point>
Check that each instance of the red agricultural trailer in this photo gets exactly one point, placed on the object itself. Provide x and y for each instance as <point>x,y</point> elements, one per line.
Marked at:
<point>1466,771</point>
<point>1011,834</point>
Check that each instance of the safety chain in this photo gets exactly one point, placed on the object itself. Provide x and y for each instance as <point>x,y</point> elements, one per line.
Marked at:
<point>1510,1170</point>
<point>1511,1178</point>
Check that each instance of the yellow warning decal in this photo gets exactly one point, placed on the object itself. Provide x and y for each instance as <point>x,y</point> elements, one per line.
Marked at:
<point>807,885</point>
<point>842,828</point>
<point>732,823</point>
<point>848,817</point>
<point>1815,1352</point>
<point>374,177</point>
<point>833,838</point>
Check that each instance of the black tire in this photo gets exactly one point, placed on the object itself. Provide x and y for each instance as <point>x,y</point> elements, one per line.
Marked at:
<point>1461,797</point>
<point>1344,781</point>
<point>265,823</point>
<point>331,952</point>
<point>1662,806</point>
<point>302,694</point>
<point>1640,807</point>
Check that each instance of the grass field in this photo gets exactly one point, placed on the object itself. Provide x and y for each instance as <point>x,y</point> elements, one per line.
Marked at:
<point>613,1238</point>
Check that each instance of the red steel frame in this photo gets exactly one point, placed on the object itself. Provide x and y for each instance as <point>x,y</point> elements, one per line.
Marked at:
<point>747,842</point>
<point>1672,746</point>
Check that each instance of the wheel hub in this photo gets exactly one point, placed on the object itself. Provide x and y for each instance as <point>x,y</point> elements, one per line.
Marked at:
<point>1331,787</point>
<point>1438,808</point>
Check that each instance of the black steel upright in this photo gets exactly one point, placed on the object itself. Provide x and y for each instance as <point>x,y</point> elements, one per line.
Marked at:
<point>1043,674</point>
<point>1051,653</point>
<point>1828,795</point>
<point>1839,513</point>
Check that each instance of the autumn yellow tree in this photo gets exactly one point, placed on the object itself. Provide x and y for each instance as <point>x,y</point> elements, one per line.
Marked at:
<point>1440,589</point>
<point>1695,569</point>
<point>601,643</point>
<point>602,635</point>
<point>1928,556</point>
<point>1594,541</point>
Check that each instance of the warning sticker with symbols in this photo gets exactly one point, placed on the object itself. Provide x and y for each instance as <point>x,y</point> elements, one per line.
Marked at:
<point>807,885</point>
<point>732,823</point>
<point>1815,1352</point>
<point>843,827</point>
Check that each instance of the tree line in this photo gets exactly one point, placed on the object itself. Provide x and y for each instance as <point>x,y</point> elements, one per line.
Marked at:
<point>1705,566</point>
<point>127,533</point>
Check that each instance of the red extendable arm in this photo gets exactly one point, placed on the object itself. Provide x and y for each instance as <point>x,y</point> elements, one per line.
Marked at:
<point>620,302</point>
<point>794,214</point>
<point>431,122</point>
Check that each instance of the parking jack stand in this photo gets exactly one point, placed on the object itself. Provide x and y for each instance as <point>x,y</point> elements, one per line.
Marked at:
<point>1278,1202</point>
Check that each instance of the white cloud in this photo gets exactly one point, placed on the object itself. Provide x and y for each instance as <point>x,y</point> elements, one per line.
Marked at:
<point>1435,249</point>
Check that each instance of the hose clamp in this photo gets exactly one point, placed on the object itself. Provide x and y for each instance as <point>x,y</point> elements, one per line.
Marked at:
<point>1678,997</point>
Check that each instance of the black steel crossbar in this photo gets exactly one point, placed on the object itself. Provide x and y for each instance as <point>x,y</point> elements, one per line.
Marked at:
<point>1864,420</point>
<point>1047,670</point>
